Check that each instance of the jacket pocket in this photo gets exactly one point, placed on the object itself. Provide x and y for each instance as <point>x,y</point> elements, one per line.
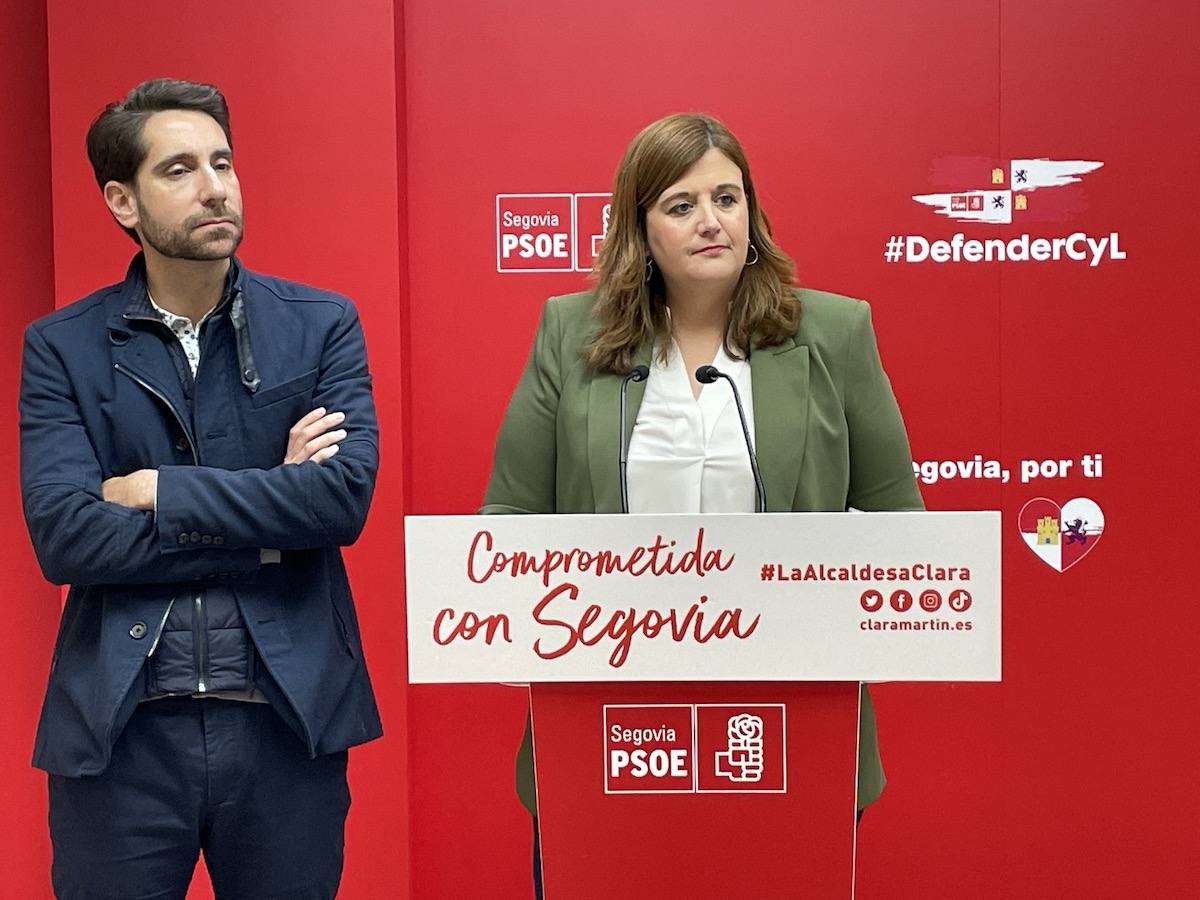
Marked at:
<point>285,391</point>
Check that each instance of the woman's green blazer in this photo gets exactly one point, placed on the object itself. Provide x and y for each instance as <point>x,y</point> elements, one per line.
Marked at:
<point>827,433</point>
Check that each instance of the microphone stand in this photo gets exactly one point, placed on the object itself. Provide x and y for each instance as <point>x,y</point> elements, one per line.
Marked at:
<point>638,373</point>
<point>709,374</point>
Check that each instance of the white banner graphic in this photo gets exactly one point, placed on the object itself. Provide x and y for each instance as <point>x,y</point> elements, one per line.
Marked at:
<point>816,596</point>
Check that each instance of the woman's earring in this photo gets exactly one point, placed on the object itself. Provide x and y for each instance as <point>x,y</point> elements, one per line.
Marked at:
<point>753,261</point>
<point>649,269</point>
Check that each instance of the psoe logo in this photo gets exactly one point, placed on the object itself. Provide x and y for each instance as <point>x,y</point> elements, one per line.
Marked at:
<point>1061,536</point>
<point>550,232</point>
<point>695,748</point>
<point>649,749</point>
<point>1024,176</point>
<point>742,758</point>
<point>741,749</point>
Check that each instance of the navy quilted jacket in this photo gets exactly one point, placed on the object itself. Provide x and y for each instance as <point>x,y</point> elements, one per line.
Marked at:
<point>101,395</point>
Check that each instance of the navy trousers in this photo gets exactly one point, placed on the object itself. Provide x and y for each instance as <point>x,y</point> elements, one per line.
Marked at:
<point>221,777</point>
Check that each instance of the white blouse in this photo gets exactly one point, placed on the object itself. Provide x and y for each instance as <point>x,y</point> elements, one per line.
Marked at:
<point>687,454</point>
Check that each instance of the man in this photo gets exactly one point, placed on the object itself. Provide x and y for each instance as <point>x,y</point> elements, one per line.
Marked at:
<point>196,444</point>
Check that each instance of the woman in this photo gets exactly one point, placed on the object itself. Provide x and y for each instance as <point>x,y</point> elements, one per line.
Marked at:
<point>688,276</point>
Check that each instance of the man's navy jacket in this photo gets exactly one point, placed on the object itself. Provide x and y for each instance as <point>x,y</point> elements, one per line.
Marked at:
<point>101,396</point>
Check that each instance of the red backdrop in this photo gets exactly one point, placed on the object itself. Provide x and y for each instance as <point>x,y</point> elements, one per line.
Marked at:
<point>312,92</point>
<point>1066,779</point>
<point>396,125</point>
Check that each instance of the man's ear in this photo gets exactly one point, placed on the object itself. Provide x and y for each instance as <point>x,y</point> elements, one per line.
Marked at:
<point>122,203</point>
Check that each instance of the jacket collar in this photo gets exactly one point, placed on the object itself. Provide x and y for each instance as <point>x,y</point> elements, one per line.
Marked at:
<point>134,303</point>
<point>140,351</point>
<point>779,379</point>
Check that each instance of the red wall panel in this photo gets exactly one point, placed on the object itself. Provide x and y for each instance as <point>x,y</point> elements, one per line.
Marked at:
<point>1095,652</point>
<point>31,605</point>
<point>312,93</point>
<point>1063,779</point>
<point>842,111</point>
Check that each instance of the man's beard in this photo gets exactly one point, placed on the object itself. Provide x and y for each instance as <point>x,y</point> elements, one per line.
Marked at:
<point>182,242</point>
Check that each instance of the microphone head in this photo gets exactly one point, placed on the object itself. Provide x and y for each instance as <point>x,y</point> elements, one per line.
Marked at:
<point>639,373</point>
<point>707,374</point>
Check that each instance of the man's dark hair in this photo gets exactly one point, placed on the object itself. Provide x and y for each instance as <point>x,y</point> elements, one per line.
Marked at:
<point>114,142</point>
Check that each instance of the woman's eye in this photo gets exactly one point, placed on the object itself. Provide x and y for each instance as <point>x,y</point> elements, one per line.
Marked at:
<point>680,209</point>
<point>726,200</point>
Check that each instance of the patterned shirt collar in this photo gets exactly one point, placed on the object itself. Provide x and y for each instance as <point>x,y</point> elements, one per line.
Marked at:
<point>182,327</point>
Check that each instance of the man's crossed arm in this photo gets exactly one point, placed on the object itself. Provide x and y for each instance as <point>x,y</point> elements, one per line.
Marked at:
<point>87,529</point>
<point>313,439</point>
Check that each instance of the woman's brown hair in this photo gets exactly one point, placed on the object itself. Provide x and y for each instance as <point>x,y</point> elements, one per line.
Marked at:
<point>629,308</point>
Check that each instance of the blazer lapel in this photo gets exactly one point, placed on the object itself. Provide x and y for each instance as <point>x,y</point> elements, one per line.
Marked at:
<point>779,379</point>
<point>603,451</point>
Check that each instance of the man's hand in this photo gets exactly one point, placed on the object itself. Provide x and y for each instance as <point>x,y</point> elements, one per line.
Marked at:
<point>312,440</point>
<point>136,490</point>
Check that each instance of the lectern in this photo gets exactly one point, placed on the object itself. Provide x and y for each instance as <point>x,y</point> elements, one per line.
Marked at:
<point>695,680</point>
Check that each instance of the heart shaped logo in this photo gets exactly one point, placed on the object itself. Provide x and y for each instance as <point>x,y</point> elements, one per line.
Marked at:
<point>1061,536</point>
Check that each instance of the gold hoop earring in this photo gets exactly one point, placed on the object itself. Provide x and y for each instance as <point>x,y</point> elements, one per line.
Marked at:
<point>753,261</point>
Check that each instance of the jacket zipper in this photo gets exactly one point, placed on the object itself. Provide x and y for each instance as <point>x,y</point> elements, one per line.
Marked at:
<point>199,638</point>
<point>151,681</point>
<point>161,625</point>
<point>167,403</point>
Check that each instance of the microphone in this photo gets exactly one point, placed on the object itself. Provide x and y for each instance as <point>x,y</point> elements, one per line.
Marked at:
<point>638,373</point>
<point>708,375</point>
